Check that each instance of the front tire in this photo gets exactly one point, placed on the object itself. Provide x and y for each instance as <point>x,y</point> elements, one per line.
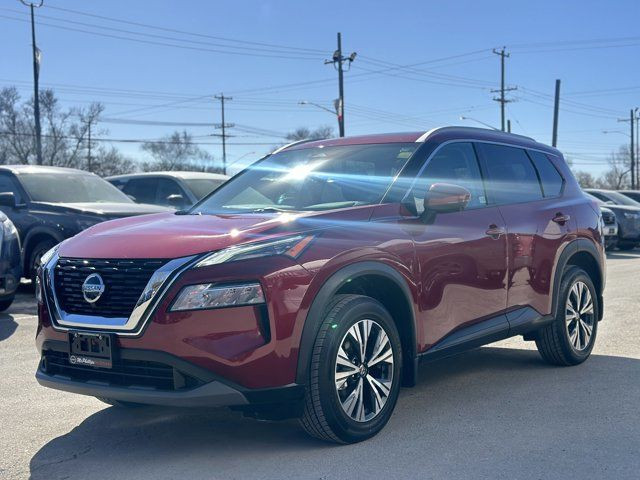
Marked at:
<point>40,249</point>
<point>355,371</point>
<point>570,338</point>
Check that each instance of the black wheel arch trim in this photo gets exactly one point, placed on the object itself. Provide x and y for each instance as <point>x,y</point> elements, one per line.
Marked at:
<point>576,246</point>
<point>330,287</point>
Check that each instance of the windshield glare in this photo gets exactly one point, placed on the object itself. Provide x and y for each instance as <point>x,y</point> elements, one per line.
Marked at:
<point>71,188</point>
<point>312,179</point>
<point>201,187</point>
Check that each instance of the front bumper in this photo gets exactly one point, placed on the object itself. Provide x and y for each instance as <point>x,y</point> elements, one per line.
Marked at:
<point>182,384</point>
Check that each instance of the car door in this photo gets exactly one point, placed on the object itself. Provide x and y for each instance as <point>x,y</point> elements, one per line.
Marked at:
<point>460,256</point>
<point>539,220</point>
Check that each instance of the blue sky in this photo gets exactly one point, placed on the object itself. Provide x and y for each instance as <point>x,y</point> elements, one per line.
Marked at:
<point>238,48</point>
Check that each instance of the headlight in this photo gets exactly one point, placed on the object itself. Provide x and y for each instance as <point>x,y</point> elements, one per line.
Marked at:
<point>209,295</point>
<point>289,246</point>
<point>631,215</point>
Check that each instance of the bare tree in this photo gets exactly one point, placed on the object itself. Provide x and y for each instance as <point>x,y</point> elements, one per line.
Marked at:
<point>178,152</point>
<point>65,135</point>
<point>304,133</point>
<point>585,179</point>
<point>618,175</point>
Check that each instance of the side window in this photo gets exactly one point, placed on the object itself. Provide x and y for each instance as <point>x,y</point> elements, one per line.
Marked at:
<point>599,196</point>
<point>510,174</point>
<point>457,164</point>
<point>166,188</point>
<point>549,176</point>
<point>142,189</point>
<point>118,183</point>
<point>7,185</point>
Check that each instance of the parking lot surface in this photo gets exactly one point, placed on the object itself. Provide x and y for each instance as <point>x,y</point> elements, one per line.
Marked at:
<point>495,412</point>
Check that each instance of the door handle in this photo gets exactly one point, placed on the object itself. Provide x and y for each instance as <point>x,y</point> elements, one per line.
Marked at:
<point>494,231</point>
<point>561,219</point>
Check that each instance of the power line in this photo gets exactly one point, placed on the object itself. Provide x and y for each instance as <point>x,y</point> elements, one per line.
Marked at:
<point>173,30</point>
<point>162,44</point>
<point>133,140</point>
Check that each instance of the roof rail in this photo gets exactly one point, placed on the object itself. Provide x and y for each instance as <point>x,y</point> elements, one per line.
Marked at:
<point>427,134</point>
<point>279,149</point>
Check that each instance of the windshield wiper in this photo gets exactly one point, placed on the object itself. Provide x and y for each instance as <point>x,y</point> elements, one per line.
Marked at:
<point>269,210</point>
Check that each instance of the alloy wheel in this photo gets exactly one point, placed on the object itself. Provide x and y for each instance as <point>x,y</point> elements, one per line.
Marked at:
<point>579,316</point>
<point>364,370</point>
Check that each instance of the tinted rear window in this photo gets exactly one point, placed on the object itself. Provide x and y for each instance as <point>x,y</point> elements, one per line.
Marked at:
<point>549,176</point>
<point>510,174</point>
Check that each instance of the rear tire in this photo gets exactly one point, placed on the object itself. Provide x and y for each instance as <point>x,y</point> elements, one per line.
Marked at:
<point>355,372</point>
<point>120,403</point>
<point>570,338</point>
<point>626,245</point>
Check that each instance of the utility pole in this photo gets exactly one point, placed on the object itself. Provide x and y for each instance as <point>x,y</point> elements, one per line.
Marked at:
<point>338,61</point>
<point>632,153</point>
<point>509,126</point>
<point>224,135</point>
<point>637,152</point>
<point>501,99</point>
<point>556,108</point>
<point>36,75</point>
<point>89,147</point>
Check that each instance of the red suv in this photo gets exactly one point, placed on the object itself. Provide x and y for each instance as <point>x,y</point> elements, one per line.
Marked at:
<point>312,283</point>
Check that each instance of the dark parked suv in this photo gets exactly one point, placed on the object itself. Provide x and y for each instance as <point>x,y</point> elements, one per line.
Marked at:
<point>49,204</point>
<point>313,282</point>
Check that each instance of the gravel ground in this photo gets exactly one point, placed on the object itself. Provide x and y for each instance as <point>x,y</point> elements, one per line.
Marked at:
<point>495,412</point>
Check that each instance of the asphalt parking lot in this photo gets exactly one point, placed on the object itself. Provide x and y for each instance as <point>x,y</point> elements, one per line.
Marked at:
<point>495,412</point>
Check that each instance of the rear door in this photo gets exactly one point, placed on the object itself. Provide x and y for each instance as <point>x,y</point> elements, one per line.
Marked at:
<point>529,192</point>
<point>461,256</point>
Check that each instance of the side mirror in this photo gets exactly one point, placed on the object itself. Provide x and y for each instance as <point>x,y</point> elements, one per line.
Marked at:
<point>176,200</point>
<point>445,197</point>
<point>7,199</point>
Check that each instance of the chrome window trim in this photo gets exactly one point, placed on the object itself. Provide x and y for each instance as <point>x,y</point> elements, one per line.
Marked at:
<point>154,291</point>
<point>469,140</point>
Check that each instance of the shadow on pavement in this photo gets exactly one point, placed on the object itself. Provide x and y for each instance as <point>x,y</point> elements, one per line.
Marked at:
<point>623,254</point>
<point>491,412</point>
<point>7,326</point>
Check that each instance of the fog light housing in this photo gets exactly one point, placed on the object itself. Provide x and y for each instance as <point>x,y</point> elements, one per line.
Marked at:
<point>209,295</point>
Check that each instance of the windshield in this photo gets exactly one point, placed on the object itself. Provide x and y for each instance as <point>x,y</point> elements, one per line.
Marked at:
<point>312,179</point>
<point>201,187</point>
<point>71,188</point>
<point>621,199</point>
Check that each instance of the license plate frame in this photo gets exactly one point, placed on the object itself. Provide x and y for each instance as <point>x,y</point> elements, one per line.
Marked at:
<point>91,349</point>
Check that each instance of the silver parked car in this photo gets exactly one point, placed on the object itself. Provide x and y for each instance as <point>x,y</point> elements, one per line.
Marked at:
<point>174,189</point>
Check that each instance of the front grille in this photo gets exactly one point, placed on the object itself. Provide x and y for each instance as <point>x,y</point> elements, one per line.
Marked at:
<point>124,281</point>
<point>608,218</point>
<point>124,373</point>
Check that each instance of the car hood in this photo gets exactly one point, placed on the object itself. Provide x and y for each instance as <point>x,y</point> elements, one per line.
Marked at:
<point>168,235</point>
<point>109,210</point>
